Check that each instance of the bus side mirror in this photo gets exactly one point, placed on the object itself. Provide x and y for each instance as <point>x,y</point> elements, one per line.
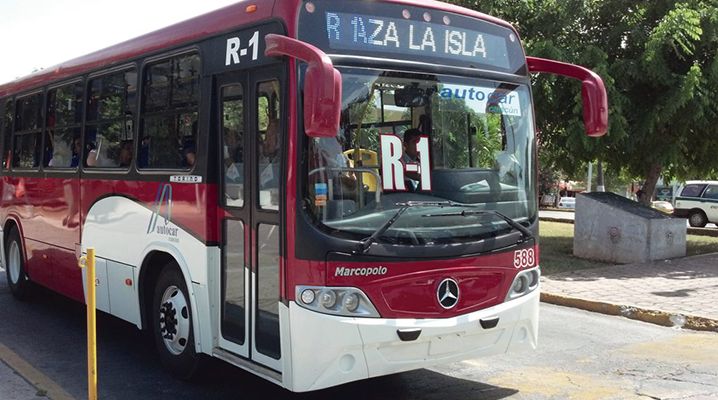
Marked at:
<point>595,99</point>
<point>322,84</point>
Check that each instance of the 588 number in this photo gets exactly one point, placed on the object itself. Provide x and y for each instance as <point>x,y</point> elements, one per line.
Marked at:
<point>524,258</point>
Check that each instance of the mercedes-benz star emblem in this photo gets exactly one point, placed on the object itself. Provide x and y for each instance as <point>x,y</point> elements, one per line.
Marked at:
<point>448,293</point>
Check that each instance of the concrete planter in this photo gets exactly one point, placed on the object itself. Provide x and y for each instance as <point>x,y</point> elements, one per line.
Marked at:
<point>612,228</point>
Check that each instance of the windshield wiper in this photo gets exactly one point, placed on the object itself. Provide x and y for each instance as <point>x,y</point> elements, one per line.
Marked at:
<point>367,242</point>
<point>526,234</point>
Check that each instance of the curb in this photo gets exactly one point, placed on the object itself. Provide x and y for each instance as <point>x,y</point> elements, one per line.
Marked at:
<point>703,232</point>
<point>663,318</point>
<point>690,231</point>
<point>559,220</point>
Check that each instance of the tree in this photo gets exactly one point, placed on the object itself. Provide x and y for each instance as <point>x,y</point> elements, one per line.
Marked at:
<point>659,61</point>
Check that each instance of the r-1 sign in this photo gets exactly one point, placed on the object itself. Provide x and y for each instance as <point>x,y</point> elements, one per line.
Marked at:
<point>238,50</point>
<point>393,169</point>
<point>234,50</point>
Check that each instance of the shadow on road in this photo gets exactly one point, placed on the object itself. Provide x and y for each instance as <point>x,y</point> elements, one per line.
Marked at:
<point>679,269</point>
<point>49,332</point>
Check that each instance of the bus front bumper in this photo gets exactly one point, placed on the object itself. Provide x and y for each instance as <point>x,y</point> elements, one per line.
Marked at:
<point>328,350</point>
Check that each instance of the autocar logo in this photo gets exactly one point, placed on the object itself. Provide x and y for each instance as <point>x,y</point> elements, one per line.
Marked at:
<point>163,199</point>
<point>448,293</point>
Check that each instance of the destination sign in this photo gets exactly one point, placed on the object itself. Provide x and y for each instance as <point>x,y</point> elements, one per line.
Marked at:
<point>359,32</point>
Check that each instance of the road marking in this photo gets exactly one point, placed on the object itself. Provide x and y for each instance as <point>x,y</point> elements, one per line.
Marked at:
<point>697,349</point>
<point>551,382</point>
<point>473,363</point>
<point>33,375</point>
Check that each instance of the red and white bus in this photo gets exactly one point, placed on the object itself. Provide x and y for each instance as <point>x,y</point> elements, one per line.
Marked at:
<point>317,191</point>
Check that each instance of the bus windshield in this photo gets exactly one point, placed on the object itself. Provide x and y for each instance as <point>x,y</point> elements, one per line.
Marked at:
<point>444,148</point>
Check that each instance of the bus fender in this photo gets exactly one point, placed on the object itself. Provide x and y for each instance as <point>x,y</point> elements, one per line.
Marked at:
<point>173,252</point>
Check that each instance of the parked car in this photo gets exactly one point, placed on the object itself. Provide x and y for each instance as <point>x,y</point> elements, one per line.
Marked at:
<point>567,202</point>
<point>664,206</point>
<point>698,201</point>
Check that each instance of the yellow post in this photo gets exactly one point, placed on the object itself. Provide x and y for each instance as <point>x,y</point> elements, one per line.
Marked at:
<point>89,261</point>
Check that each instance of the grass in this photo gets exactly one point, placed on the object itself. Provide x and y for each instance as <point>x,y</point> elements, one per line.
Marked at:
<point>556,244</point>
<point>696,245</point>
<point>556,249</point>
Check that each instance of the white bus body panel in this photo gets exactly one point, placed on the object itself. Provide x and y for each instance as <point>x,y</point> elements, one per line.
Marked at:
<point>124,299</point>
<point>117,227</point>
<point>329,350</point>
<point>102,294</point>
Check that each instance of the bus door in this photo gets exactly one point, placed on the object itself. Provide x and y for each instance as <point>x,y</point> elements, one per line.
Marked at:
<point>250,112</point>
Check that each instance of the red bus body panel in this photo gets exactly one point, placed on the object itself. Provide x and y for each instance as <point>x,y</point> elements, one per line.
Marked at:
<point>50,211</point>
<point>195,28</point>
<point>409,289</point>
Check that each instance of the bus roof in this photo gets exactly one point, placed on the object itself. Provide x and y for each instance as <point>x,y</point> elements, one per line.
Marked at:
<point>185,31</point>
<point>212,22</point>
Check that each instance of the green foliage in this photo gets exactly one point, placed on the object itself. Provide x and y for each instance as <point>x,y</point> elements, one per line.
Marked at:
<point>459,128</point>
<point>659,61</point>
<point>233,115</point>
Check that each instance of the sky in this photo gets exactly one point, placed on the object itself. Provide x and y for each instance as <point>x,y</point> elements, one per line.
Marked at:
<point>38,34</point>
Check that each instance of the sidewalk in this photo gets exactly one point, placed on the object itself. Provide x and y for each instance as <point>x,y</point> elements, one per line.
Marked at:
<point>681,292</point>
<point>14,387</point>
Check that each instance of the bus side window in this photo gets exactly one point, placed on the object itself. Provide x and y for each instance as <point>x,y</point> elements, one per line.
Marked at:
<point>111,105</point>
<point>269,143</point>
<point>233,144</point>
<point>63,143</point>
<point>28,130</point>
<point>6,129</point>
<point>7,133</point>
<point>170,113</point>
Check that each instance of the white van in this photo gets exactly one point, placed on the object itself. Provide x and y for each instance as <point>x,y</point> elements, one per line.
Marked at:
<point>698,201</point>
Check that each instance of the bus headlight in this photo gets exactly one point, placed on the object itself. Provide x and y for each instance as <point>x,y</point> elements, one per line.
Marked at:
<point>344,301</point>
<point>329,298</point>
<point>351,302</point>
<point>308,296</point>
<point>525,282</point>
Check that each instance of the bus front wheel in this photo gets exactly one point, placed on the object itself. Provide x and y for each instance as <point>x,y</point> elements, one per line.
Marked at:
<point>172,324</point>
<point>15,269</point>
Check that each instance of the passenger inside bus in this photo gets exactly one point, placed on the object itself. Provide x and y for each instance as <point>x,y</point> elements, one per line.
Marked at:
<point>189,154</point>
<point>269,145</point>
<point>269,153</point>
<point>189,147</point>
<point>126,154</point>
<point>145,152</point>
<point>233,155</point>
<point>76,150</point>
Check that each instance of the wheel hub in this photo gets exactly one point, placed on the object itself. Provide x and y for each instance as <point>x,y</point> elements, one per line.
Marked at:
<point>14,262</point>
<point>168,321</point>
<point>174,320</point>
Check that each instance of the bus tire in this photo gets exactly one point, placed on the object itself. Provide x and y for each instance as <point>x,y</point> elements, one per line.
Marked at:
<point>15,269</point>
<point>172,324</point>
<point>697,219</point>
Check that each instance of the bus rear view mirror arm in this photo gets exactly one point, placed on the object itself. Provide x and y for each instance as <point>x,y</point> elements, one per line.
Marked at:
<point>322,84</point>
<point>595,99</point>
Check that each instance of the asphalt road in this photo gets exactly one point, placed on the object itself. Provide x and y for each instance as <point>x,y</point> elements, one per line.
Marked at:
<point>581,355</point>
